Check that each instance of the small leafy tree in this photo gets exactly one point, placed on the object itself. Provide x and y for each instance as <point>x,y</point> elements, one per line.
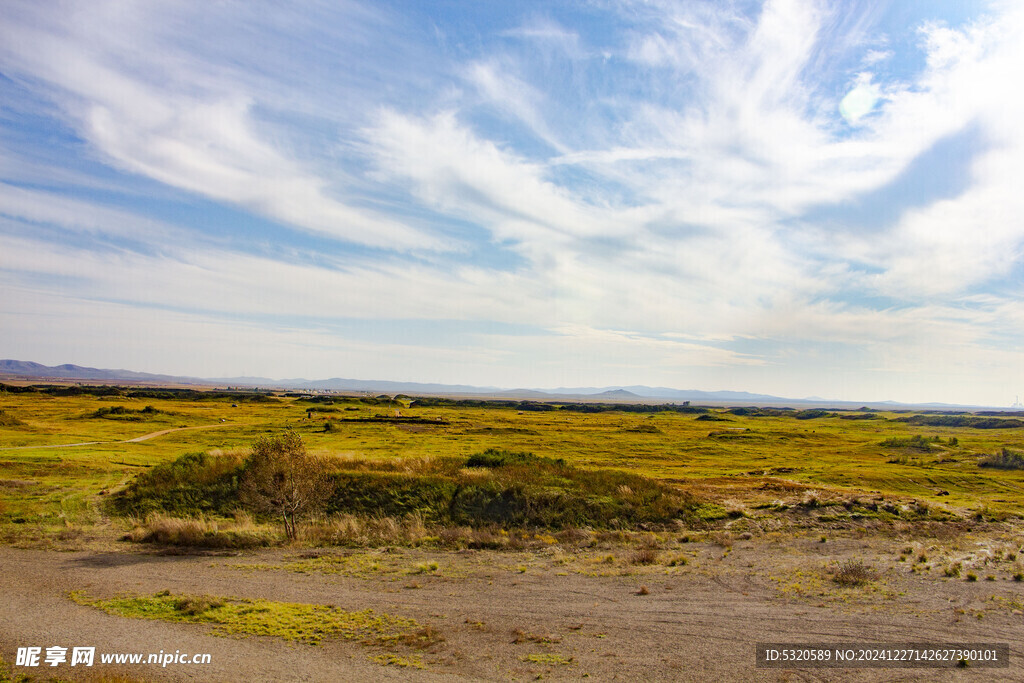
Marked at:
<point>283,480</point>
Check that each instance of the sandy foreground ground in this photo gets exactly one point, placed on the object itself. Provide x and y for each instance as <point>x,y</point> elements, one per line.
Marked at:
<point>549,613</point>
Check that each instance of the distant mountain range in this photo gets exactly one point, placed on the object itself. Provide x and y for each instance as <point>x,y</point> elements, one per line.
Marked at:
<point>27,370</point>
<point>24,368</point>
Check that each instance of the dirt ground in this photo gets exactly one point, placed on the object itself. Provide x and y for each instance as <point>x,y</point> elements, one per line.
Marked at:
<point>549,613</point>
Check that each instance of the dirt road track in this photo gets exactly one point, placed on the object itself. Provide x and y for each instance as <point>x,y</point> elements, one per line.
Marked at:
<point>152,435</point>
<point>699,626</point>
<point>144,437</point>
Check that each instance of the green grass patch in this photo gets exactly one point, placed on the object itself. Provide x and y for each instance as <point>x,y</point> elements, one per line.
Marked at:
<point>295,622</point>
<point>8,420</point>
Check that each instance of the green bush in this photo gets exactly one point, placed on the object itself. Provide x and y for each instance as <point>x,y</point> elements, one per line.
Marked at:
<point>502,488</point>
<point>515,490</point>
<point>194,484</point>
<point>1004,460</point>
<point>811,414</point>
<point>126,414</point>
<point>962,421</point>
<point>494,457</point>
<point>917,443</point>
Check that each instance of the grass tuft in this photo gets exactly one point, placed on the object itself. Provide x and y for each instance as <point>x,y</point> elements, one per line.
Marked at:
<point>854,573</point>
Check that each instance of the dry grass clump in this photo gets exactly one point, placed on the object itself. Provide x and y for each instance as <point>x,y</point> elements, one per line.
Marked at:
<point>644,556</point>
<point>194,605</point>
<point>426,638</point>
<point>811,500</point>
<point>350,462</point>
<point>485,538</point>
<point>854,573</point>
<point>411,530</point>
<point>71,533</point>
<point>353,530</point>
<point>241,532</point>
<point>238,455</point>
<point>574,536</point>
<point>614,537</point>
<point>520,636</point>
<point>721,538</point>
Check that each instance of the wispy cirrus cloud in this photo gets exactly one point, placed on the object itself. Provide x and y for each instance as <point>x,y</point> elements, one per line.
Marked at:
<point>183,122</point>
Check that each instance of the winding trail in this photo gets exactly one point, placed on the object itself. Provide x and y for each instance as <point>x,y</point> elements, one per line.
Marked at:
<point>144,437</point>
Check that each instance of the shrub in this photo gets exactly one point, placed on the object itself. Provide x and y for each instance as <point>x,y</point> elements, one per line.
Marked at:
<point>962,421</point>
<point>126,414</point>
<point>810,414</point>
<point>494,457</point>
<point>1004,460</point>
<point>519,491</point>
<point>194,484</point>
<point>917,443</point>
<point>283,480</point>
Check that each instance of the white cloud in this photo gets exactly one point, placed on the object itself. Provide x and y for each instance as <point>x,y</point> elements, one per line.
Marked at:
<point>860,100</point>
<point>185,129</point>
<point>456,171</point>
<point>872,57</point>
<point>547,32</point>
<point>35,206</point>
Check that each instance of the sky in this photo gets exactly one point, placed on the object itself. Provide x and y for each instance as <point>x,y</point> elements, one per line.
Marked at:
<point>789,197</point>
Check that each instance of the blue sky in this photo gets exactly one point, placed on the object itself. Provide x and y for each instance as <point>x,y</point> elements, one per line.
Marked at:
<point>793,197</point>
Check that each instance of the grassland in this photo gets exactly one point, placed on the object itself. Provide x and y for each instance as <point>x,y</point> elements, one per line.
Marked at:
<point>740,462</point>
<point>505,542</point>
